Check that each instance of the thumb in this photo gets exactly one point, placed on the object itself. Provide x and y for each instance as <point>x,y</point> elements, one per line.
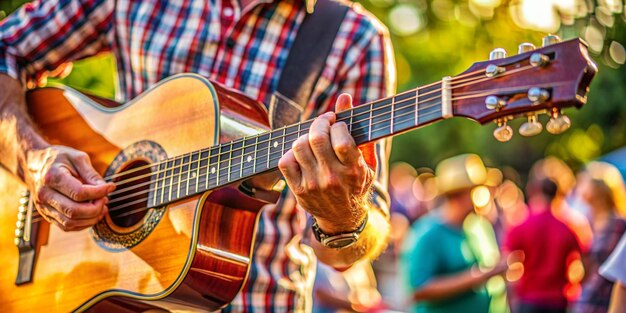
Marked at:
<point>86,171</point>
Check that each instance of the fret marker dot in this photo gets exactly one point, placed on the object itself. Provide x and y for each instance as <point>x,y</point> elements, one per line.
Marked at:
<point>248,159</point>
<point>193,175</point>
<point>275,144</point>
<point>213,170</point>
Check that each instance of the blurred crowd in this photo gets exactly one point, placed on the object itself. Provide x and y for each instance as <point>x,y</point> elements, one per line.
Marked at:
<point>469,238</point>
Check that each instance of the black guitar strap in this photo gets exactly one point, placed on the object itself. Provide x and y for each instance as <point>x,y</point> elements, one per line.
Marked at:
<point>305,62</point>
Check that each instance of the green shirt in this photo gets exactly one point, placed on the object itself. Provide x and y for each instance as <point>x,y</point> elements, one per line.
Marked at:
<point>433,249</point>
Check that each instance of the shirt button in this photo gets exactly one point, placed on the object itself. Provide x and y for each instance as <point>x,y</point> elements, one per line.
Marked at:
<point>228,12</point>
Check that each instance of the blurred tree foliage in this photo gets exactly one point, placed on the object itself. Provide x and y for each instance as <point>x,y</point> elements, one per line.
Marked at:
<point>435,38</point>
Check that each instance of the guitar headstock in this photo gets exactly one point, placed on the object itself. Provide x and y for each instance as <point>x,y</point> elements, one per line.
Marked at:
<point>543,80</point>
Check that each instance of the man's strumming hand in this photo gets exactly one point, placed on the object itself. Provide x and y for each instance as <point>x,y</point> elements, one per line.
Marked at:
<point>67,190</point>
<point>328,173</point>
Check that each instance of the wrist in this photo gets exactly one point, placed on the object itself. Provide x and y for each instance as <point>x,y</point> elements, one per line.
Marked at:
<point>342,225</point>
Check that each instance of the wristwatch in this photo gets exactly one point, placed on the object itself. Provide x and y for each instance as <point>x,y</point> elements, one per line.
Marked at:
<point>337,241</point>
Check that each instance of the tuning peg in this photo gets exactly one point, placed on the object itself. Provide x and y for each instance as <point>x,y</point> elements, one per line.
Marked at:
<point>550,40</point>
<point>525,47</point>
<point>503,132</point>
<point>497,53</point>
<point>538,95</point>
<point>558,123</point>
<point>494,102</point>
<point>539,60</point>
<point>530,128</point>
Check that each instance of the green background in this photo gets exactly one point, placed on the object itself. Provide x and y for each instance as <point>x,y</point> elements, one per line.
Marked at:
<point>436,38</point>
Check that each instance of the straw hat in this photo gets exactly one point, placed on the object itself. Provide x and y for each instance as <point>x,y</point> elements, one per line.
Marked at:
<point>461,172</point>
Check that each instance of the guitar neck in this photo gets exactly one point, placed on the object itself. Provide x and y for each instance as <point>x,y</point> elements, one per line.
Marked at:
<point>223,164</point>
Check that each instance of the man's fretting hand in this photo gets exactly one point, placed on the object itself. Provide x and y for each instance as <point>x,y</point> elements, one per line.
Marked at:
<point>328,173</point>
<point>67,190</point>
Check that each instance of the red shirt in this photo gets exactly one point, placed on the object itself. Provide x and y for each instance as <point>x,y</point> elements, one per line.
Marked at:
<point>548,246</point>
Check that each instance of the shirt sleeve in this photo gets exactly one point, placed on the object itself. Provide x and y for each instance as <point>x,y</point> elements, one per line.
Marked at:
<point>41,35</point>
<point>361,64</point>
<point>614,268</point>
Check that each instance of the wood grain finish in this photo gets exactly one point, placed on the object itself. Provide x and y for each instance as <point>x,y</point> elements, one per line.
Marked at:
<point>197,256</point>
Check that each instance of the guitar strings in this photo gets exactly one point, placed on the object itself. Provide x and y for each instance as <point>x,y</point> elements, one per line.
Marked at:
<point>242,140</point>
<point>404,101</point>
<point>219,155</point>
<point>125,205</point>
<point>179,167</point>
<point>244,167</point>
<point>365,104</point>
<point>138,201</point>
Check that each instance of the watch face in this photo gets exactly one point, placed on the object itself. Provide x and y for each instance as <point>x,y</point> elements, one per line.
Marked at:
<point>341,241</point>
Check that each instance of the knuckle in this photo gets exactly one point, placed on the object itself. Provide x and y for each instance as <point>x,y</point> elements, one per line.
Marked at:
<point>41,195</point>
<point>331,181</point>
<point>343,148</point>
<point>81,155</point>
<point>51,176</point>
<point>299,190</point>
<point>312,186</point>
<point>317,139</point>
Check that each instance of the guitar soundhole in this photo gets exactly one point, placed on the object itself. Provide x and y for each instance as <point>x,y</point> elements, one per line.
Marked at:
<point>127,205</point>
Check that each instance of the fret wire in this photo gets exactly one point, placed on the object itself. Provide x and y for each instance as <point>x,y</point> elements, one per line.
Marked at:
<point>393,105</point>
<point>417,98</point>
<point>370,121</point>
<point>269,146</point>
<point>256,149</point>
<point>198,169</point>
<point>243,150</point>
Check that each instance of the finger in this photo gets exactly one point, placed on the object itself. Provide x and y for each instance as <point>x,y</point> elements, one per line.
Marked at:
<point>65,223</point>
<point>303,154</point>
<point>60,178</point>
<point>319,139</point>
<point>76,210</point>
<point>344,102</point>
<point>85,170</point>
<point>343,144</point>
<point>290,169</point>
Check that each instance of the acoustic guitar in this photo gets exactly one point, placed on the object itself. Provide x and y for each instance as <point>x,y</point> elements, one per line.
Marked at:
<point>179,232</point>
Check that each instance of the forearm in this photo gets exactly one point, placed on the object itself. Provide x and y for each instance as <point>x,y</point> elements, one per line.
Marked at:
<point>18,134</point>
<point>371,243</point>
<point>445,287</point>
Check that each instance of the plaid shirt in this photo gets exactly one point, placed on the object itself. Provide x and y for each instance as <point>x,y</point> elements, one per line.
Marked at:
<point>243,48</point>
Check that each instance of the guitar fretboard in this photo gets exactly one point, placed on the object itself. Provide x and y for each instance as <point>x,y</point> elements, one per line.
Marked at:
<point>220,165</point>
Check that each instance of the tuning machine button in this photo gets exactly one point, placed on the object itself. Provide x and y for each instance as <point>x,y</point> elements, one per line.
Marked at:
<point>538,95</point>
<point>550,40</point>
<point>497,53</point>
<point>531,128</point>
<point>503,132</point>
<point>525,47</point>
<point>494,102</point>
<point>558,123</point>
<point>539,60</point>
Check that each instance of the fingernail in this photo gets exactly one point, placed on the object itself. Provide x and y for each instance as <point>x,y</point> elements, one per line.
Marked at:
<point>106,200</point>
<point>111,188</point>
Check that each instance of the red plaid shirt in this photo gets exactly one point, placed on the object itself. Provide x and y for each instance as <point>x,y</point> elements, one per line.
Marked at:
<point>243,48</point>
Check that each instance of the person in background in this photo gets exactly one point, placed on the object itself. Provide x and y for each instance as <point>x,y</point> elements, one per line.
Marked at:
<point>601,188</point>
<point>438,264</point>
<point>614,269</point>
<point>546,247</point>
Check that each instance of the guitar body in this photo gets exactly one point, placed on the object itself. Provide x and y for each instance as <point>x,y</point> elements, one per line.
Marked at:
<point>193,254</point>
